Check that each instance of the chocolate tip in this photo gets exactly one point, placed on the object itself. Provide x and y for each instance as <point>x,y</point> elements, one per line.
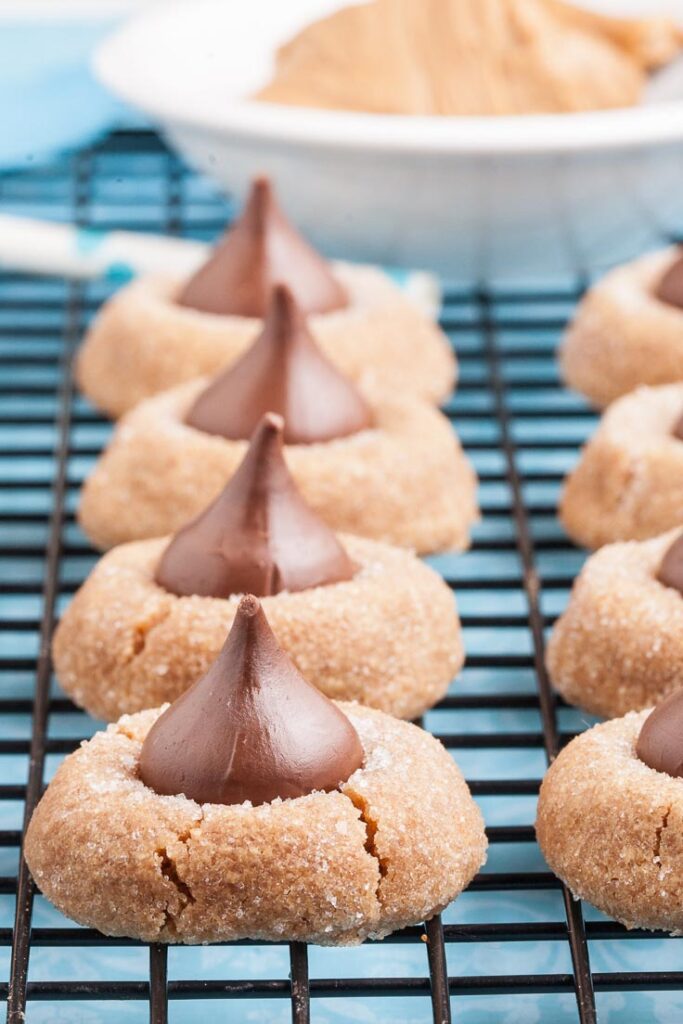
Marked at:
<point>282,293</point>
<point>260,201</point>
<point>249,606</point>
<point>284,316</point>
<point>271,423</point>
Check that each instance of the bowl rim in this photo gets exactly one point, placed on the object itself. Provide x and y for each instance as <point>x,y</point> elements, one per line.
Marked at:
<point>517,135</point>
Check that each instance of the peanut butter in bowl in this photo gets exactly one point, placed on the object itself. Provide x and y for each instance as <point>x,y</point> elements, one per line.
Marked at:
<point>470,57</point>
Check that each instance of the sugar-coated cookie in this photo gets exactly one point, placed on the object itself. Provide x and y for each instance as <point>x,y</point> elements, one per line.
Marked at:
<point>405,480</point>
<point>628,483</point>
<point>255,807</point>
<point>627,330</point>
<point>618,647</point>
<point>158,332</point>
<point>610,825</point>
<point>389,637</point>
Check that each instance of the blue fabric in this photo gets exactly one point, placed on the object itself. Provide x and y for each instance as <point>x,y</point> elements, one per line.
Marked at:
<point>49,99</point>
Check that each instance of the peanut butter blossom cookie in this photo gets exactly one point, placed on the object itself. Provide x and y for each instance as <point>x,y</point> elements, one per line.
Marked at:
<point>361,620</point>
<point>610,817</point>
<point>385,466</point>
<point>619,645</point>
<point>254,807</point>
<point>628,483</point>
<point>159,331</point>
<point>628,330</point>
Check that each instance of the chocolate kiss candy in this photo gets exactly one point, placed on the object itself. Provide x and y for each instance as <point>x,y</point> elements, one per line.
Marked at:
<point>258,536</point>
<point>670,288</point>
<point>251,729</point>
<point>660,744</point>
<point>285,372</point>
<point>670,572</point>
<point>261,248</point>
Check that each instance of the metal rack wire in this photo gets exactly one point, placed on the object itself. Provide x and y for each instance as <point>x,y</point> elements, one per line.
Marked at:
<point>521,430</point>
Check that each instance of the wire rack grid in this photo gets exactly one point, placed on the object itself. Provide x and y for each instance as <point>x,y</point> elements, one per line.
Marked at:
<point>515,947</point>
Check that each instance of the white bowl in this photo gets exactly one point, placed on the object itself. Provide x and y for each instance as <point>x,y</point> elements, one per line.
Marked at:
<point>505,198</point>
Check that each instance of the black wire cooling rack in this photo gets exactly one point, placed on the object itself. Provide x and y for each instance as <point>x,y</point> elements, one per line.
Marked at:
<point>522,431</point>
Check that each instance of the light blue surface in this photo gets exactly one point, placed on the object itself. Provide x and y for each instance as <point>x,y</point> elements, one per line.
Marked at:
<point>388,960</point>
<point>48,98</point>
<point>30,337</point>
